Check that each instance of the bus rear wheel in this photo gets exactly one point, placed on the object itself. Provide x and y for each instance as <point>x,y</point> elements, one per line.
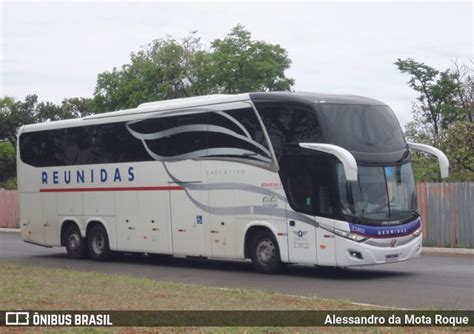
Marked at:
<point>266,254</point>
<point>75,245</point>
<point>98,244</point>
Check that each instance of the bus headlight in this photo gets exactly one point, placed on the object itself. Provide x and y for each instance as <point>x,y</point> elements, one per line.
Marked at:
<point>350,236</point>
<point>417,232</point>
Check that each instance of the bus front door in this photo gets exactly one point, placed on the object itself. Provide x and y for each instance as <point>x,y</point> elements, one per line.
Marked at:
<point>188,219</point>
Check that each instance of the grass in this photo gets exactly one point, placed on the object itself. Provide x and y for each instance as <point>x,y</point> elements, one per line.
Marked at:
<point>53,289</point>
<point>37,288</point>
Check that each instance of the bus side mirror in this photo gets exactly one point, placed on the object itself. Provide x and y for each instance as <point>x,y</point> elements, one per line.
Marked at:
<point>349,163</point>
<point>442,159</point>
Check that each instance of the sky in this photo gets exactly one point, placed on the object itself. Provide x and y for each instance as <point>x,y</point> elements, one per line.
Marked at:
<point>56,49</point>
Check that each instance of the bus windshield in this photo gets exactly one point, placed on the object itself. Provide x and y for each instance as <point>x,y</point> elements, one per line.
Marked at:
<point>380,194</point>
<point>361,128</point>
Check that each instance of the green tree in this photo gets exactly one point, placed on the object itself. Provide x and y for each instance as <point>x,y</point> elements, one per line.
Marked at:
<point>437,106</point>
<point>465,88</point>
<point>6,104</point>
<point>69,108</point>
<point>16,114</point>
<point>169,68</point>
<point>7,149</point>
<point>459,145</point>
<point>7,162</point>
<point>442,116</point>
<point>240,64</point>
<point>164,70</point>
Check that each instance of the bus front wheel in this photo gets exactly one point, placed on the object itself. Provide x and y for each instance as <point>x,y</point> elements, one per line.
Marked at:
<point>75,245</point>
<point>98,244</point>
<point>265,253</point>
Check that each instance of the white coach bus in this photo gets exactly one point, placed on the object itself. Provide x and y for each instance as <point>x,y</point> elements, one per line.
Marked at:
<point>275,177</point>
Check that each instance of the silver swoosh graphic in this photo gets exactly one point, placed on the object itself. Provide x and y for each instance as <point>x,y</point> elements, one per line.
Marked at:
<point>236,122</point>
<point>238,152</point>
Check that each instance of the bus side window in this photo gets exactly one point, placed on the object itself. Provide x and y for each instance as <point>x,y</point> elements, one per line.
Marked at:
<point>248,119</point>
<point>323,200</point>
<point>289,123</point>
<point>300,190</point>
<point>308,184</point>
<point>310,193</point>
<point>239,129</point>
<point>186,142</point>
<point>176,136</point>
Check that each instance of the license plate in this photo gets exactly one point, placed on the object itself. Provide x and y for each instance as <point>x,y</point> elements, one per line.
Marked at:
<point>391,258</point>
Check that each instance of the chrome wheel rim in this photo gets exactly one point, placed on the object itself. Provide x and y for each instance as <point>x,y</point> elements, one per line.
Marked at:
<point>265,251</point>
<point>74,241</point>
<point>98,243</point>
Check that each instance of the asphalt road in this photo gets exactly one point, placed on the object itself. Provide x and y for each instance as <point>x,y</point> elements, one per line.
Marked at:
<point>434,282</point>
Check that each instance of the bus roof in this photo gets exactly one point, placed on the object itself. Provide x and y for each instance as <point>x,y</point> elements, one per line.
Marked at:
<point>315,98</point>
<point>207,100</point>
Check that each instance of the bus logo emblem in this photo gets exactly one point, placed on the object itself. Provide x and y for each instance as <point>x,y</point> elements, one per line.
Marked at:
<point>300,234</point>
<point>269,202</point>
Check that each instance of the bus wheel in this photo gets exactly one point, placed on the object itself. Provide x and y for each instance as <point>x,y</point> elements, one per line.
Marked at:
<point>75,245</point>
<point>265,253</point>
<point>98,244</point>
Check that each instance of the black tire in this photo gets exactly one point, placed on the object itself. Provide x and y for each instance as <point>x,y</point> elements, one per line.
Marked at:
<point>75,244</point>
<point>265,253</point>
<point>98,244</point>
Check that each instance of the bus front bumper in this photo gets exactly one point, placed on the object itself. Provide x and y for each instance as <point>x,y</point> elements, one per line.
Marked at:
<point>351,253</point>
